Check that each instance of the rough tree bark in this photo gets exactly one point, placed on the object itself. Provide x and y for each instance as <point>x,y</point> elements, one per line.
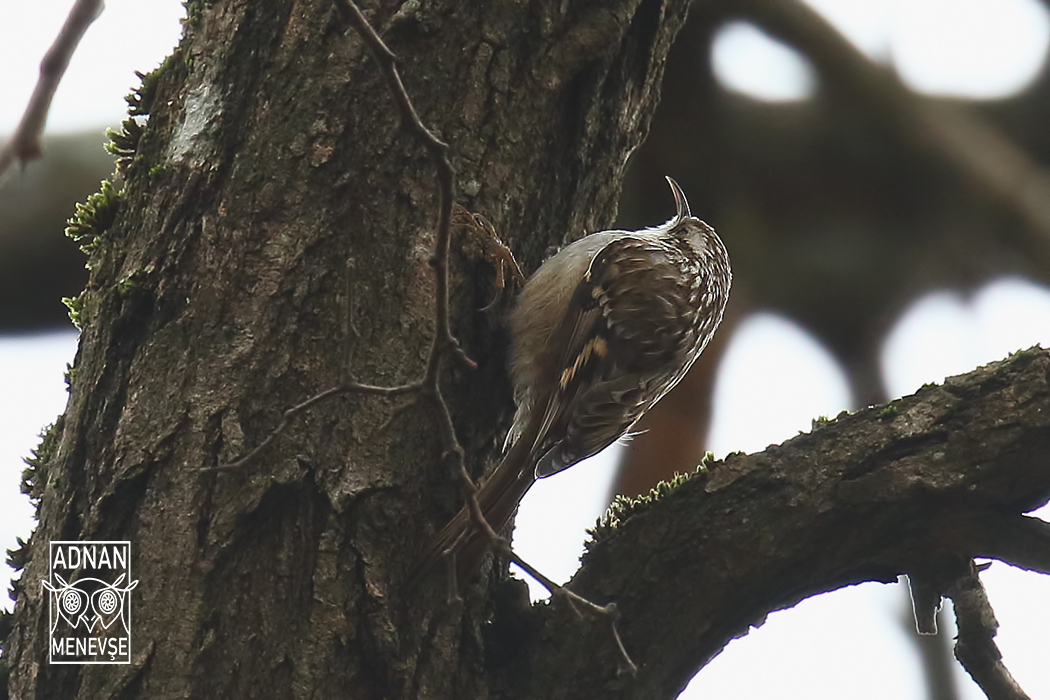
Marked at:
<point>273,236</point>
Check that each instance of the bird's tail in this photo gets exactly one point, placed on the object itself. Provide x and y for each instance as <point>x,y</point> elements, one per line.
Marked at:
<point>461,540</point>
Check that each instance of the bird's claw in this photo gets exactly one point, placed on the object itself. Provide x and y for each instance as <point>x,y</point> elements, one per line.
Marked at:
<point>495,251</point>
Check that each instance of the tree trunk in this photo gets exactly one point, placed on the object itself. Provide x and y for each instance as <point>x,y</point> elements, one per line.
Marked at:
<point>271,237</point>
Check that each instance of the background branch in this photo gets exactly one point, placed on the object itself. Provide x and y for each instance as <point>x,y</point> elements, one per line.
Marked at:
<point>24,144</point>
<point>980,153</point>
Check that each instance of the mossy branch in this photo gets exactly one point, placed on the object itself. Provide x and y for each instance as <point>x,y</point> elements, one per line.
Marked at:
<point>861,498</point>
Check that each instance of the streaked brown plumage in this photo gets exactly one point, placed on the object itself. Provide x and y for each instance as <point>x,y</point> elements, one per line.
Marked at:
<point>601,332</point>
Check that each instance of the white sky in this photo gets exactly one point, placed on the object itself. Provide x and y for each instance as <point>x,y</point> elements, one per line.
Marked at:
<point>846,644</point>
<point>979,49</point>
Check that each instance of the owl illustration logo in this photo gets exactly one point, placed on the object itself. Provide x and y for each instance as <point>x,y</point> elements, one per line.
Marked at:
<point>89,599</point>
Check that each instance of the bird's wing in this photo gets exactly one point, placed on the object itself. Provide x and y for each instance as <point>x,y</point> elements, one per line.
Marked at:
<point>608,366</point>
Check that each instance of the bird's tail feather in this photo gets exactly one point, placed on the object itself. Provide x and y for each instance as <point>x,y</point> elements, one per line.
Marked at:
<point>498,497</point>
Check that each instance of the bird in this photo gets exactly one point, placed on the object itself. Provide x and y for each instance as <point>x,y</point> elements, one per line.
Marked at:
<point>600,333</point>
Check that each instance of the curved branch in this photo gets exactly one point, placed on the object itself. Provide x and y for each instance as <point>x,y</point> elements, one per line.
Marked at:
<point>866,497</point>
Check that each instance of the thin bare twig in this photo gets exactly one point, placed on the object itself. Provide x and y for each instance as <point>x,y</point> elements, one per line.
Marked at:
<point>975,647</point>
<point>24,144</point>
<point>288,416</point>
<point>438,150</point>
<point>444,342</point>
<point>609,613</point>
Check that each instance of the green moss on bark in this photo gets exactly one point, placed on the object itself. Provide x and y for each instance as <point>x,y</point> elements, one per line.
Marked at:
<point>123,144</point>
<point>94,217</point>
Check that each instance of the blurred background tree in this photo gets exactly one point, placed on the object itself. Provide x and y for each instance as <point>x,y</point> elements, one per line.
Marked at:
<point>848,191</point>
<point>842,207</point>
